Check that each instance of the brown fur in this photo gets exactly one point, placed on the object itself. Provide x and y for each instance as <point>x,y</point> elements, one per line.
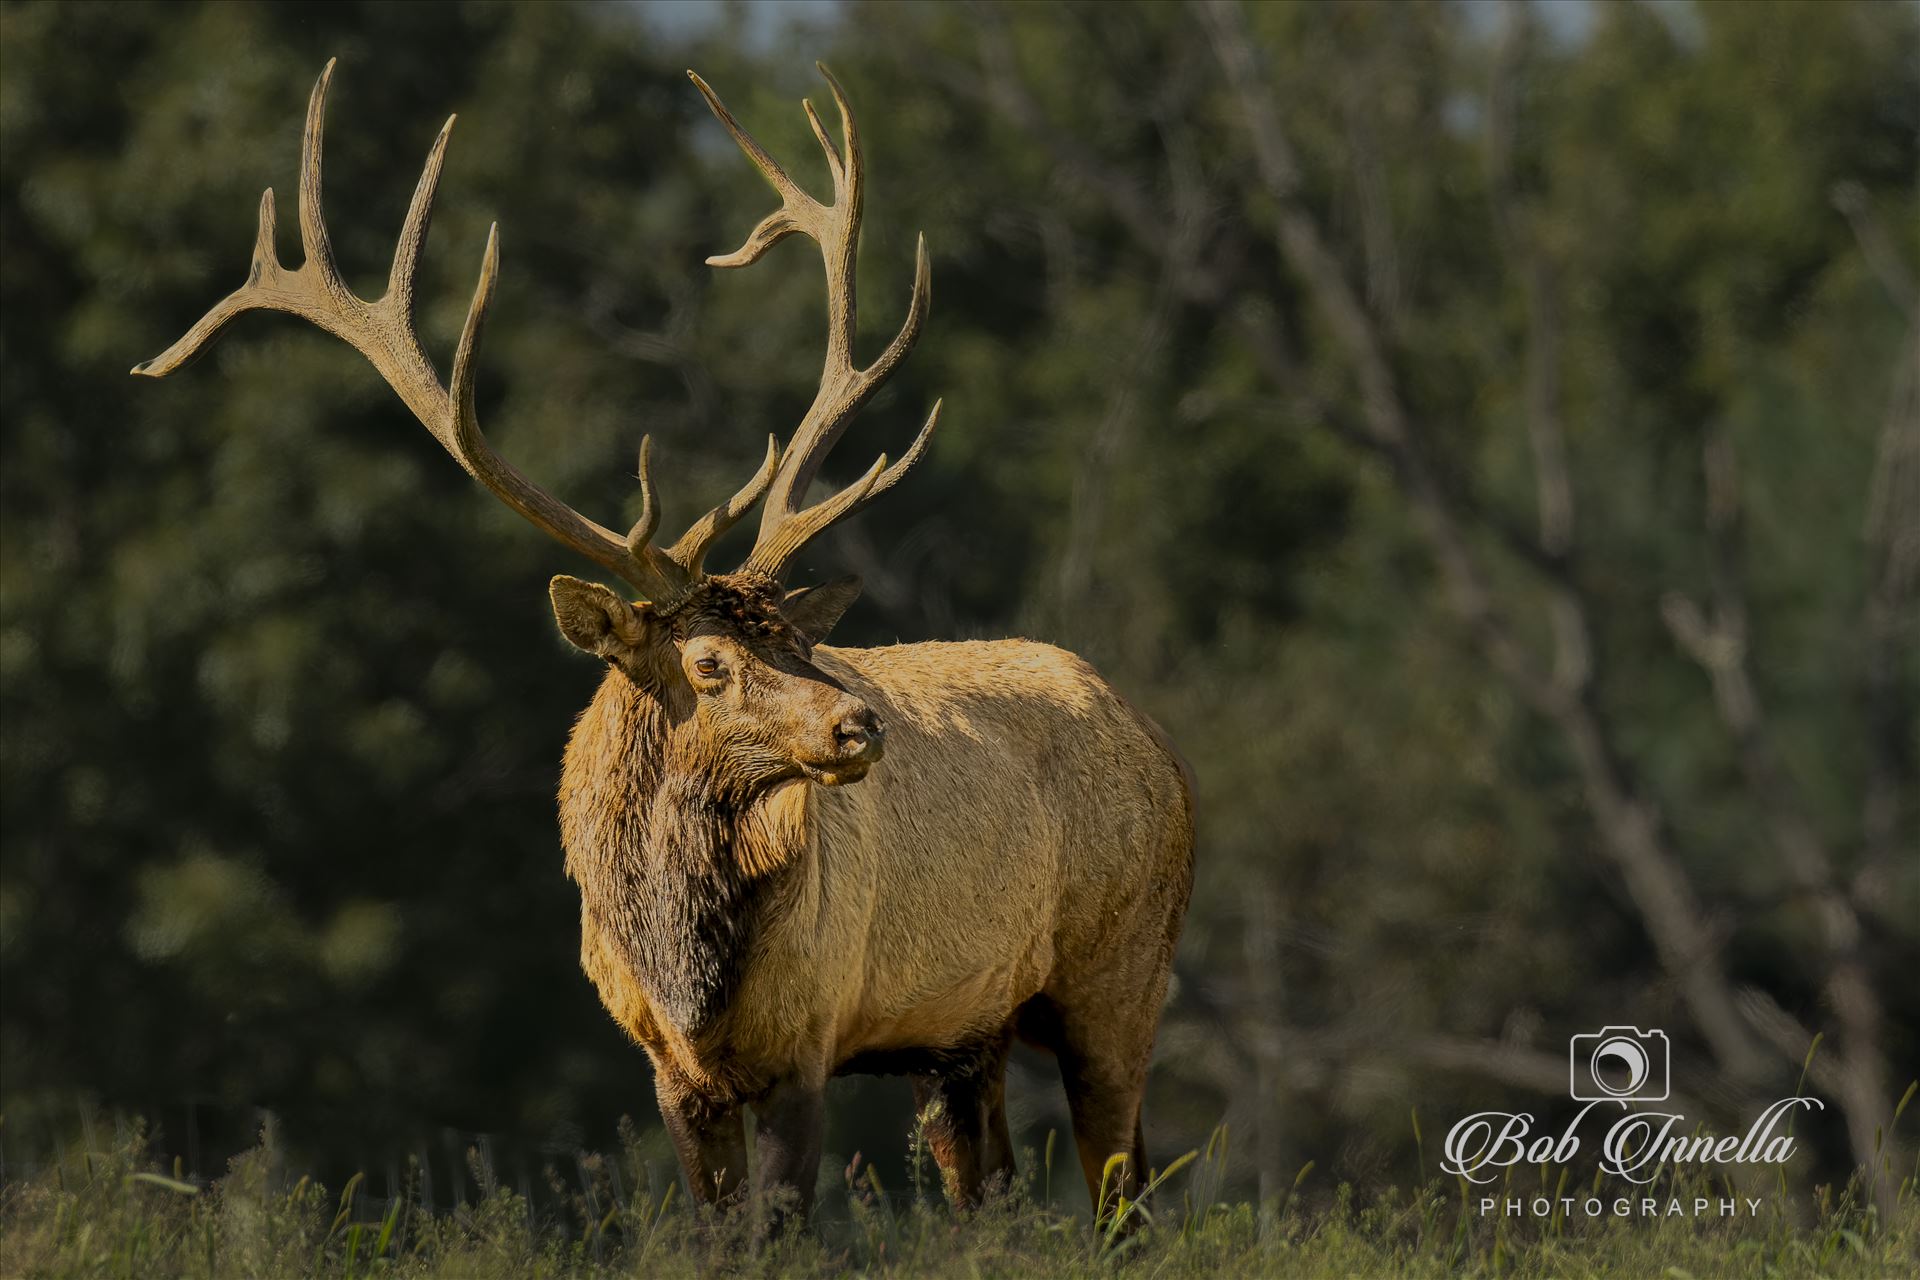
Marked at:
<point>1019,860</point>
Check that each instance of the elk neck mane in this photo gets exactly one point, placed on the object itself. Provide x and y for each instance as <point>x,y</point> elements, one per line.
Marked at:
<point>675,869</point>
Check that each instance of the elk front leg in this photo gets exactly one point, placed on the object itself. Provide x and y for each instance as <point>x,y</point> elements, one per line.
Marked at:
<point>710,1139</point>
<point>792,1119</point>
<point>963,1113</point>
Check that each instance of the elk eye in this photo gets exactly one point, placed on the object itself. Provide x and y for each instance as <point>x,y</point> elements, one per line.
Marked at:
<point>707,666</point>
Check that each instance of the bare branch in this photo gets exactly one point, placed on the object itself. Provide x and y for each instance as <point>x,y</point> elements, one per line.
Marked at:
<point>1631,826</point>
<point>1719,643</point>
<point>1891,630</point>
<point>1514,229</point>
<point>1851,199</point>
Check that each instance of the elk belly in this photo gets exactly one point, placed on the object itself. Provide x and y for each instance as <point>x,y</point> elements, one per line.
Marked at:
<point>964,1016</point>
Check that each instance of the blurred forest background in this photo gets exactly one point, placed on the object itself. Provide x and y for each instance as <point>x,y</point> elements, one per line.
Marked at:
<point>1486,437</point>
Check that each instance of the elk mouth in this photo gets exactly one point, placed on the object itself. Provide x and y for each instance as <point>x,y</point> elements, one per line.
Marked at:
<point>838,773</point>
<point>850,765</point>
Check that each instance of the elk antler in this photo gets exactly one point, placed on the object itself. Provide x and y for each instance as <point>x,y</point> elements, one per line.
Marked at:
<point>784,526</point>
<point>383,332</point>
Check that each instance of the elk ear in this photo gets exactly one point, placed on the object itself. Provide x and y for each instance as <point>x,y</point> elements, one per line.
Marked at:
<point>814,610</point>
<point>594,619</point>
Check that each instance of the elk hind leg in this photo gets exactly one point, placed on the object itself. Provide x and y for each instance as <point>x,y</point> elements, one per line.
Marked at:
<point>1104,1091</point>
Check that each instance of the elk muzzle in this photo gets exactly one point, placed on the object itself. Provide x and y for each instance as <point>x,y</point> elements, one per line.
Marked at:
<point>859,740</point>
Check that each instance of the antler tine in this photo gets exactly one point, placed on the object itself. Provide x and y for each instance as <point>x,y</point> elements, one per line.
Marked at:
<point>314,240</point>
<point>844,388</point>
<point>690,552</point>
<point>779,543</point>
<point>893,475</point>
<point>317,293</point>
<point>849,201</point>
<point>413,230</point>
<point>798,211</point>
<point>641,535</point>
<point>382,331</point>
<point>772,555</point>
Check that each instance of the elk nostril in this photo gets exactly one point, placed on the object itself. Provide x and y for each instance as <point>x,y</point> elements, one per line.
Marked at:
<point>858,728</point>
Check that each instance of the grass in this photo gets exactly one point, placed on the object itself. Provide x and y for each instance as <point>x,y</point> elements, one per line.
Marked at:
<point>114,1214</point>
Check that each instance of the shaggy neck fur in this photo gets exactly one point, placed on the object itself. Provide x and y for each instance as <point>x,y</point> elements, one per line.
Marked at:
<point>674,865</point>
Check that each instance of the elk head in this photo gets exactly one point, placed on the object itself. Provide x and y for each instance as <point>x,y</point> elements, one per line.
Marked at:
<point>728,655</point>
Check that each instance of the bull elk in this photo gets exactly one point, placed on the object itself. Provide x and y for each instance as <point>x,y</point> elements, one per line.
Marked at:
<point>1015,860</point>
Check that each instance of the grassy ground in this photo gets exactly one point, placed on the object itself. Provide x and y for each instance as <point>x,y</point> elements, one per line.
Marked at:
<point>113,1214</point>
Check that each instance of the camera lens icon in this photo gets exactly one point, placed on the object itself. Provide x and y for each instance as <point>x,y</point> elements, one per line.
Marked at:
<point>1619,1064</point>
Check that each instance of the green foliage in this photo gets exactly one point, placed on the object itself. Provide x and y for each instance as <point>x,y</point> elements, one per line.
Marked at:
<point>106,1215</point>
